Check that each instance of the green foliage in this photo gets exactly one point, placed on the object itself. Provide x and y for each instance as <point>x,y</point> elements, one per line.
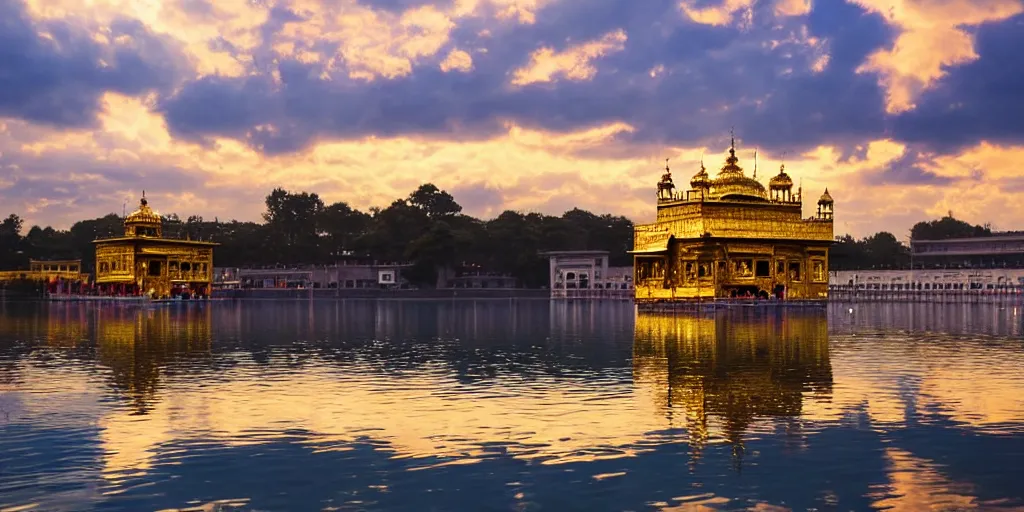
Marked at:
<point>427,228</point>
<point>946,228</point>
<point>879,251</point>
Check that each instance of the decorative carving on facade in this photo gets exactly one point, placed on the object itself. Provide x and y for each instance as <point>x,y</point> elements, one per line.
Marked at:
<point>730,236</point>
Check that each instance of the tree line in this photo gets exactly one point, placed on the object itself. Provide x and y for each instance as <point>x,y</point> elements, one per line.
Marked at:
<point>427,228</point>
<point>883,250</point>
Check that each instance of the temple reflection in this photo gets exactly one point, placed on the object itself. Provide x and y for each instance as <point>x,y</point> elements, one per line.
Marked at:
<point>724,372</point>
<point>139,347</point>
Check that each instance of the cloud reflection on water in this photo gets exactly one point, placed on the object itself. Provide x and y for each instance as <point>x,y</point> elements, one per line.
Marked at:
<point>593,390</point>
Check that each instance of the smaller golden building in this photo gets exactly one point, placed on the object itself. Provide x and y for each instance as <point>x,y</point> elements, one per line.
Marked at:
<point>728,236</point>
<point>47,271</point>
<point>143,262</point>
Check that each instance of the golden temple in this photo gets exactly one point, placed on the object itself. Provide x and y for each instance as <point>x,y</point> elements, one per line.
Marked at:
<point>730,237</point>
<point>143,262</point>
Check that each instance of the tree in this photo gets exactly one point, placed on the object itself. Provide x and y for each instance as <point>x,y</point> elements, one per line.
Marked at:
<point>434,202</point>
<point>392,229</point>
<point>340,227</point>
<point>292,222</point>
<point>946,228</point>
<point>11,254</point>
<point>884,250</point>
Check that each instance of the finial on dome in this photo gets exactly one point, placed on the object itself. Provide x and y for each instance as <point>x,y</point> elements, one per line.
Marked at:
<point>143,201</point>
<point>666,166</point>
<point>755,163</point>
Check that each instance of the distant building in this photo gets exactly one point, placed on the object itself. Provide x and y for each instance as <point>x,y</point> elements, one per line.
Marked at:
<point>586,274</point>
<point>47,270</point>
<point>730,237</point>
<point>144,262</point>
<point>349,273</point>
<point>481,280</point>
<point>927,280</point>
<point>998,250</point>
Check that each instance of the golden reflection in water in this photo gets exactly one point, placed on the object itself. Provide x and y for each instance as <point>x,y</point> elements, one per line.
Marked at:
<point>724,372</point>
<point>137,345</point>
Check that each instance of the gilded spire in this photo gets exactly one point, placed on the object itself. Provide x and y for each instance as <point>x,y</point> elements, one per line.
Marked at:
<point>731,161</point>
<point>701,179</point>
<point>665,186</point>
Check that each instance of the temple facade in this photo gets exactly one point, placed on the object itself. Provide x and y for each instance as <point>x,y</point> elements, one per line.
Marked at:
<point>727,236</point>
<point>143,262</point>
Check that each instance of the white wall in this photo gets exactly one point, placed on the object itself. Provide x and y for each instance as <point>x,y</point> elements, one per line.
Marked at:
<point>868,278</point>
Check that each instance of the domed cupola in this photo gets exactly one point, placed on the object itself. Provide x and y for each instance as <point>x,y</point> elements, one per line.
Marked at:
<point>143,221</point>
<point>825,206</point>
<point>731,183</point>
<point>701,180</point>
<point>781,185</point>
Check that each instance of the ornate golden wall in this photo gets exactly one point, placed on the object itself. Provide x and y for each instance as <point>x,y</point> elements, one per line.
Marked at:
<point>775,221</point>
<point>707,269</point>
<point>153,263</point>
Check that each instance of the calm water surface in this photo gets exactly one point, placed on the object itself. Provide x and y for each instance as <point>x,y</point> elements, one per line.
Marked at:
<point>501,405</point>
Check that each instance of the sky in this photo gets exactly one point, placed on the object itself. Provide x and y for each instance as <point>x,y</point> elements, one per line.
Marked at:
<point>905,109</point>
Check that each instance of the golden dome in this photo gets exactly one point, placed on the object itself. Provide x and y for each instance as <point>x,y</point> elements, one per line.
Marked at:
<point>780,181</point>
<point>826,198</point>
<point>143,215</point>
<point>732,183</point>
<point>701,179</point>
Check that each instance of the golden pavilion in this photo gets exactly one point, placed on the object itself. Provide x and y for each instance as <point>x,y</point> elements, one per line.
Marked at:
<point>730,237</point>
<point>143,262</point>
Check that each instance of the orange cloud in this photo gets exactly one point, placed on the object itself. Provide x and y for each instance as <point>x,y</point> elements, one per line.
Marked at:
<point>719,15</point>
<point>933,37</point>
<point>574,63</point>
<point>457,60</point>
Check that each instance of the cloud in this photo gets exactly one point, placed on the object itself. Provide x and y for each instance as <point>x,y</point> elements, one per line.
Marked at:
<point>574,63</point>
<point>933,37</point>
<point>975,102</point>
<point>523,104</point>
<point>54,71</point>
<point>457,60</point>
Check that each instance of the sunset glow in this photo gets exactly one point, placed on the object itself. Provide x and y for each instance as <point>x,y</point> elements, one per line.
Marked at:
<point>904,109</point>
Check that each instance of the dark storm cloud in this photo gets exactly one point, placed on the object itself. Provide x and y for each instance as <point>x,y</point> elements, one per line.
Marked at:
<point>978,101</point>
<point>757,79</point>
<point>705,66</point>
<point>58,79</point>
<point>838,105</point>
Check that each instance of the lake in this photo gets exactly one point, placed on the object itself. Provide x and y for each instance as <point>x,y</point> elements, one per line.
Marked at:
<point>509,405</point>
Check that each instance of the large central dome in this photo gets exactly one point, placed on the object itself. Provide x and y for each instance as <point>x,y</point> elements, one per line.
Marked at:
<point>731,183</point>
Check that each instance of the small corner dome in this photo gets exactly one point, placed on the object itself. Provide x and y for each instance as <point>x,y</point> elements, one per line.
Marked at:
<point>826,198</point>
<point>780,181</point>
<point>701,179</point>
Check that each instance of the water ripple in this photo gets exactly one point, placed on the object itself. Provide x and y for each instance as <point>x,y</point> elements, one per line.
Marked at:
<point>355,405</point>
